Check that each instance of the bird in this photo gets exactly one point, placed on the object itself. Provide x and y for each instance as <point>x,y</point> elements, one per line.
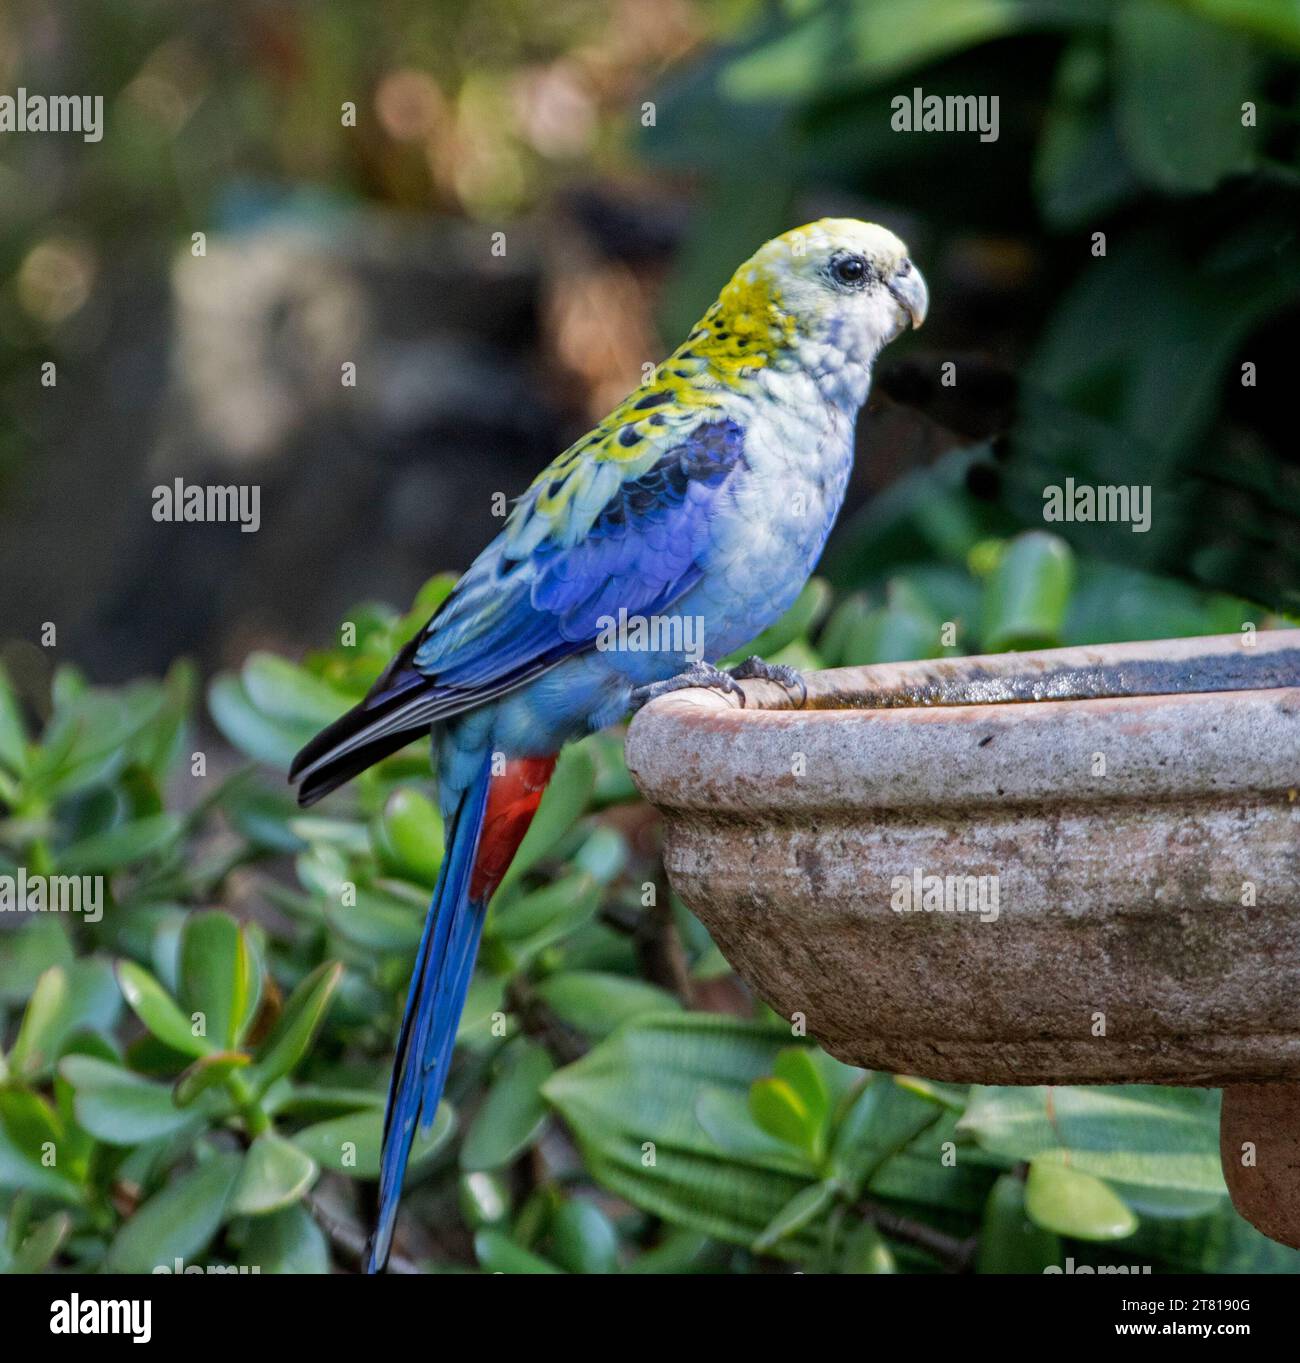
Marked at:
<point>703,499</point>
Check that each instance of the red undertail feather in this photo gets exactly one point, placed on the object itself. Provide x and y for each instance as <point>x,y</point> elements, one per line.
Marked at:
<point>512,801</point>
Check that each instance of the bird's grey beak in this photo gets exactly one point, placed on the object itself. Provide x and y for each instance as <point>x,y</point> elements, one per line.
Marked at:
<point>909,290</point>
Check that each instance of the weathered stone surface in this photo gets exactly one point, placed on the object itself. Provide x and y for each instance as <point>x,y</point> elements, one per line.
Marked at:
<point>1148,911</point>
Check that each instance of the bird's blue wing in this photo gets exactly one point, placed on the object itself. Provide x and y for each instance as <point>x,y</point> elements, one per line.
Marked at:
<point>593,534</point>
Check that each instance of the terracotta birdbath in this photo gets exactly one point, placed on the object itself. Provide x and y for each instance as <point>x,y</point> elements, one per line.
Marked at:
<point>1076,866</point>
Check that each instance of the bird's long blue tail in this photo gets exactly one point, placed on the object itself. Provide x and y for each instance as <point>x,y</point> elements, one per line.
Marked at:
<point>482,836</point>
<point>443,968</point>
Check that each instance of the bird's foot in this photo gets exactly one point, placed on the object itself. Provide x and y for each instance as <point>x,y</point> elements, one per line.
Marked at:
<point>780,673</point>
<point>697,675</point>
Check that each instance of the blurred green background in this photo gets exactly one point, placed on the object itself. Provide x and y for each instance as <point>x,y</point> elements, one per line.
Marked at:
<point>1115,283</point>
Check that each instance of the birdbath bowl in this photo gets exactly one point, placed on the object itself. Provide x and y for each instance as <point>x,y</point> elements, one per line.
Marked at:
<point>1075,866</point>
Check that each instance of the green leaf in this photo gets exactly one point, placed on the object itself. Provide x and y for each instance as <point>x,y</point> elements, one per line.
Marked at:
<point>30,1121</point>
<point>881,1121</point>
<point>532,922</point>
<point>220,977</point>
<point>42,1243</point>
<point>726,1117</point>
<point>121,845</point>
<point>21,1173</point>
<point>351,1144</point>
<point>1009,1241</point>
<point>802,1209</point>
<point>781,1112</point>
<point>564,803</point>
<point>1026,597</point>
<point>596,1003</point>
<point>583,1239</point>
<point>30,950</point>
<point>287,1241</point>
<point>178,1222</point>
<point>378,921</point>
<point>89,737</point>
<point>206,1073</point>
<point>410,837</point>
<point>80,997</point>
<point>1133,1134</point>
<point>119,1107</point>
<point>286,692</point>
<point>275,1175</point>
<point>902,629</point>
<point>296,1026</point>
<point>1174,70</point>
<point>866,1251</point>
<point>631,1105</point>
<point>1072,1203</point>
<point>13,732</point>
<point>796,1066</point>
<point>513,1113</point>
<point>498,1253</point>
<point>155,1007</point>
<point>255,733</point>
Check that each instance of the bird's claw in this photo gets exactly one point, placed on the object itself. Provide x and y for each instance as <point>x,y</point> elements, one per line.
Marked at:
<point>697,675</point>
<point>781,673</point>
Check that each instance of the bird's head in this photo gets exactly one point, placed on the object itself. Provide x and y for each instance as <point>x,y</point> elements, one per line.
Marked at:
<point>827,296</point>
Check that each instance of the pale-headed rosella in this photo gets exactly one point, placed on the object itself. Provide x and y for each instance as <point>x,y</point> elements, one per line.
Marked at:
<point>706,496</point>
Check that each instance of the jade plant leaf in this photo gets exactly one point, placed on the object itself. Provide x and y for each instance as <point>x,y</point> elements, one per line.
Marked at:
<point>1069,1202</point>
<point>220,977</point>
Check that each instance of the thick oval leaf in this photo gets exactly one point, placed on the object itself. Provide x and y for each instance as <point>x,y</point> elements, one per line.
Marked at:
<point>255,733</point>
<point>119,1107</point>
<point>121,845</point>
<point>410,837</point>
<point>178,1222</point>
<point>285,691</point>
<point>288,1241</point>
<point>1026,597</point>
<point>1009,1241</point>
<point>596,1003</point>
<point>796,1066</point>
<point>536,920</point>
<point>42,1243</point>
<point>1071,1203</point>
<point>781,1112</point>
<point>159,1012</point>
<point>378,921</point>
<point>583,1239</point>
<point>498,1253</point>
<point>351,1144</point>
<point>292,1035</point>
<point>513,1113</point>
<point>220,977</point>
<point>31,1123</point>
<point>81,997</point>
<point>21,1173</point>
<point>276,1174</point>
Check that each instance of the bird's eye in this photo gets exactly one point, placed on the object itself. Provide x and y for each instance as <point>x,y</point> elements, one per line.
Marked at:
<point>849,270</point>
